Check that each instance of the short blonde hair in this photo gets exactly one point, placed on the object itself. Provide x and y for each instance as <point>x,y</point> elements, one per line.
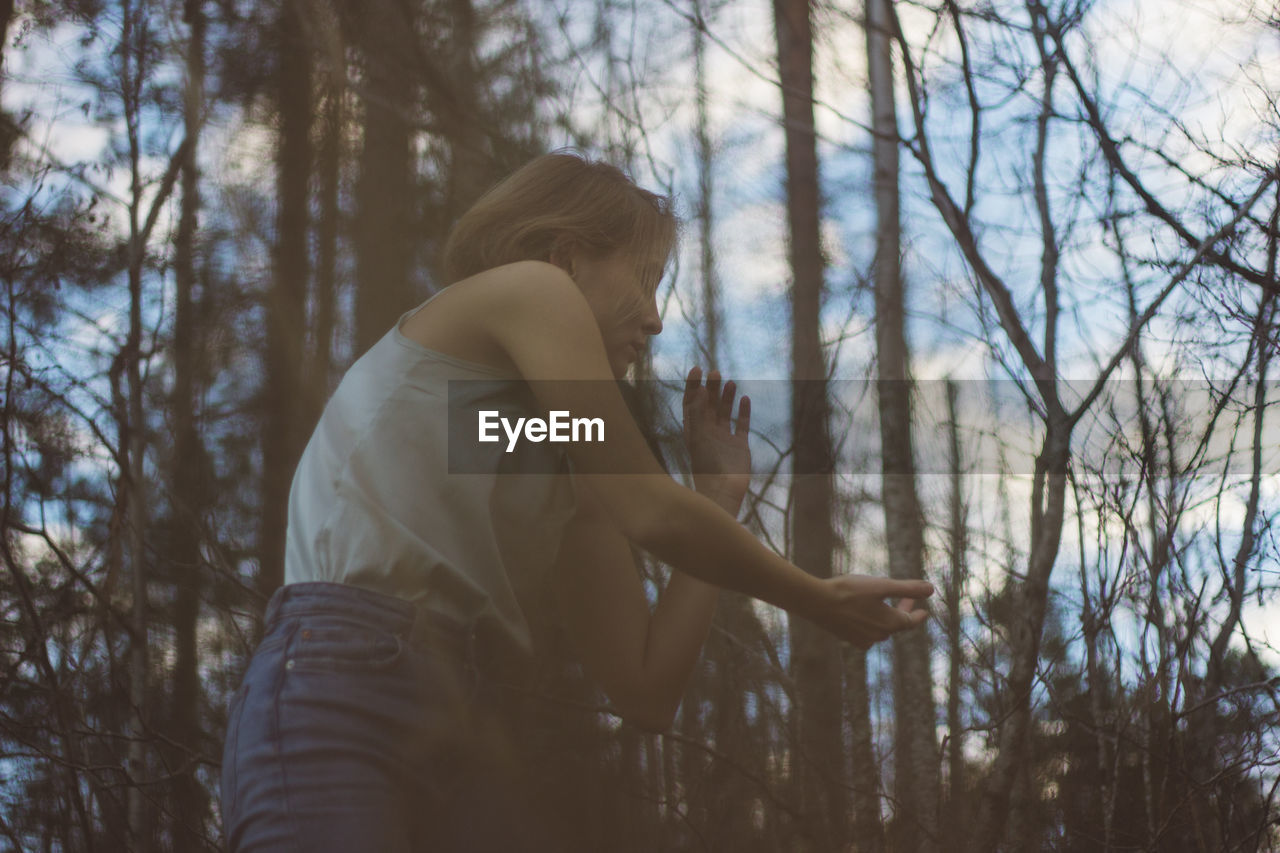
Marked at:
<point>559,199</point>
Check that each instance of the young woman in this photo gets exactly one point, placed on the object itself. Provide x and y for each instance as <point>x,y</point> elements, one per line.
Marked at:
<point>424,567</point>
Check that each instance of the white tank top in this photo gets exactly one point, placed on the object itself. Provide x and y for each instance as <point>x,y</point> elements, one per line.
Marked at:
<point>373,503</point>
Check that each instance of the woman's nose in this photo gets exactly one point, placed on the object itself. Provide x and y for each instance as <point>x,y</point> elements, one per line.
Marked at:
<point>652,320</point>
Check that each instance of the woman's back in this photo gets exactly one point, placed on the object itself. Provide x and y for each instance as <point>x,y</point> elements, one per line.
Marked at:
<point>375,504</point>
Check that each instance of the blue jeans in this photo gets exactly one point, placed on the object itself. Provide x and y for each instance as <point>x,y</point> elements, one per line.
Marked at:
<point>361,724</point>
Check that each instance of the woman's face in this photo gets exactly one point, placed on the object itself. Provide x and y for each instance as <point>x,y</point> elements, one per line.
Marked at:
<point>622,292</point>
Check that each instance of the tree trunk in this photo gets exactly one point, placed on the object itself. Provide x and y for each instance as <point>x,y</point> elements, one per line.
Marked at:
<point>8,131</point>
<point>134,440</point>
<point>386,225</point>
<point>1029,603</point>
<point>6,15</point>
<point>915,745</point>
<point>706,271</point>
<point>868,828</point>
<point>286,299</point>
<point>721,806</point>
<point>727,822</point>
<point>469,172</point>
<point>955,653</point>
<point>188,491</point>
<point>819,762</point>
<point>326,282</point>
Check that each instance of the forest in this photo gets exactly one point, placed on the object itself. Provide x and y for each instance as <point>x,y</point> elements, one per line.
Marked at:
<point>1000,276</point>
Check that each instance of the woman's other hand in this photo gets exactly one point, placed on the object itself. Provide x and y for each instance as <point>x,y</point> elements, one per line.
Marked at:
<point>716,441</point>
<point>855,609</point>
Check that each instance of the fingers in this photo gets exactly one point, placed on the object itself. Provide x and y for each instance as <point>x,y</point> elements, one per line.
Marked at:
<point>914,617</point>
<point>883,623</point>
<point>895,619</point>
<point>871,620</point>
<point>713,386</point>
<point>725,409</point>
<point>890,588</point>
<point>905,616</point>
<point>719,398</point>
<point>724,414</point>
<point>918,617</point>
<point>691,384</point>
<point>877,623</point>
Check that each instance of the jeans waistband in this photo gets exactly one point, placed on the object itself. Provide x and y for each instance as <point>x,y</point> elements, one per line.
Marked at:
<point>295,599</point>
<point>417,625</point>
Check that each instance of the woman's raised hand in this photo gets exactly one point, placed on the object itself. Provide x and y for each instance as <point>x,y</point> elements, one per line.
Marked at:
<point>716,441</point>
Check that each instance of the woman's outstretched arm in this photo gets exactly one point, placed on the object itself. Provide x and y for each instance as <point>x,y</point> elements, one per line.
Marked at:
<point>537,315</point>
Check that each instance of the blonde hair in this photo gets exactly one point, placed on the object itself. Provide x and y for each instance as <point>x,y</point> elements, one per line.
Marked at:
<point>554,201</point>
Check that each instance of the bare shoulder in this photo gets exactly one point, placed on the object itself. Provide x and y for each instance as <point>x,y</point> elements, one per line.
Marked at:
<point>540,318</point>
<point>528,286</point>
<point>465,320</point>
